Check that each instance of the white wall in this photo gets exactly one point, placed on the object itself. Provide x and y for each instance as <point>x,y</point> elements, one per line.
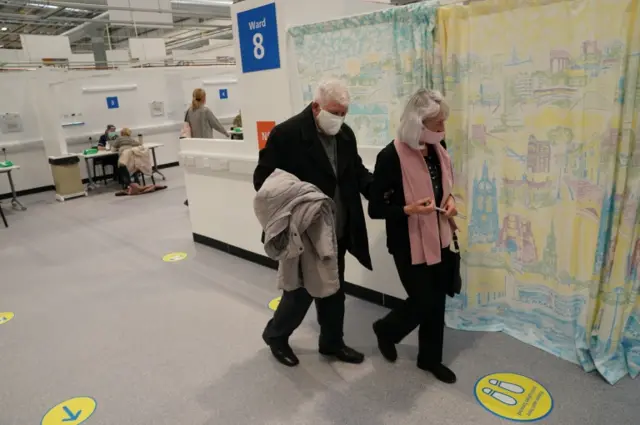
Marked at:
<point>223,169</point>
<point>140,18</point>
<point>82,58</point>
<point>11,56</point>
<point>147,48</point>
<point>216,48</point>
<point>85,92</point>
<point>118,55</point>
<point>36,47</point>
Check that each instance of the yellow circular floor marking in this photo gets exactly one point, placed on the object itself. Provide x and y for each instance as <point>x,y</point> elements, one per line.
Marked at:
<point>513,397</point>
<point>5,317</point>
<point>172,257</point>
<point>274,303</point>
<point>71,412</point>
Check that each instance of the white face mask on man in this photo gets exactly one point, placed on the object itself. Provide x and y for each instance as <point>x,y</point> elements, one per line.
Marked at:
<point>329,123</point>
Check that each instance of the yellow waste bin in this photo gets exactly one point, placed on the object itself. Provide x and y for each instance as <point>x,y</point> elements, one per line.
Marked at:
<point>66,177</point>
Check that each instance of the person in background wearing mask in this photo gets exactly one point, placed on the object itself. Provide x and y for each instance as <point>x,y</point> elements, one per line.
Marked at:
<point>317,147</point>
<point>109,135</point>
<point>413,176</point>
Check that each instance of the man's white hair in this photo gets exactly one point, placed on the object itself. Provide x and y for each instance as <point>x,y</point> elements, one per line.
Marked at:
<point>422,105</point>
<point>332,91</point>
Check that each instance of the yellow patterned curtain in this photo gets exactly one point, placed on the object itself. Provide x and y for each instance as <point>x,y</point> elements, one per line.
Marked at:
<point>545,99</point>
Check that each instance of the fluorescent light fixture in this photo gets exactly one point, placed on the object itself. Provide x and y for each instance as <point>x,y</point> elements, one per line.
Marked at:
<point>3,29</point>
<point>220,81</point>
<point>42,5</point>
<point>205,2</point>
<point>124,87</point>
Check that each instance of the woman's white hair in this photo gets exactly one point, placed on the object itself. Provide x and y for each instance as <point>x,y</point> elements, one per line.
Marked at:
<point>422,105</point>
<point>332,91</point>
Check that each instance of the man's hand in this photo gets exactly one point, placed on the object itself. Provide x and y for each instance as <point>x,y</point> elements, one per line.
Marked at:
<point>422,207</point>
<point>450,207</point>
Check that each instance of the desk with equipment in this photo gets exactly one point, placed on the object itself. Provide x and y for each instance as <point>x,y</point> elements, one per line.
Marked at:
<point>91,154</point>
<point>6,167</point>
<point>236,133</point>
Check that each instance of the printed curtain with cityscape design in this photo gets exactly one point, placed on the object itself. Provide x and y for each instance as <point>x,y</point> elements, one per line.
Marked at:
<point>544,127</point>
<point>545,115</point>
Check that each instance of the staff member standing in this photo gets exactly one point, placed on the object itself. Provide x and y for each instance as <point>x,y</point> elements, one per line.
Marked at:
<point>413,176</point>
<point>201,120</point>
<point>317,147</point>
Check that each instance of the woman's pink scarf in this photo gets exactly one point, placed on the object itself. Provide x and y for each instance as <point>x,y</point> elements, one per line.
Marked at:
<point>425,231</point>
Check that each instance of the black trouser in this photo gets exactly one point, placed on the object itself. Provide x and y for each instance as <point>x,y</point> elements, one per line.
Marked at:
<point>123,175</point>
<point>294,306</point>
<point>426,288</point>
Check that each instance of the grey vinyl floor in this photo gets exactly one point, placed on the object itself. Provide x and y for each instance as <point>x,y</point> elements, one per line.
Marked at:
<point>99,314</point>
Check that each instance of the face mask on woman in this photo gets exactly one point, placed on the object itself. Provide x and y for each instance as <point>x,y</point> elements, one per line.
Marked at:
<point>329,123</point>
<point>112,135</point>
<point>431,137</point>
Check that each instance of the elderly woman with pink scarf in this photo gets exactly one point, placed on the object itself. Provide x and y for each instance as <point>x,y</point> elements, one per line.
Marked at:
<point>411,191</point>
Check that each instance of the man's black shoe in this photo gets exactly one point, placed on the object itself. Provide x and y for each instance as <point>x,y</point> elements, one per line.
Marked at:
<point>344,354</point>
<point>441,372</point>
<point>386,347</point>
<point>284,354</point>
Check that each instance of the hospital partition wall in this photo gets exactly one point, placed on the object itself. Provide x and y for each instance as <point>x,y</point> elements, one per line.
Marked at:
<point>49,112</point>
<point>543,135</point>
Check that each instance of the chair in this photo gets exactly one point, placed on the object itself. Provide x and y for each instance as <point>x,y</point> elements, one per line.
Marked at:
<point>102,163</point>
<point>138,175</point>
<point>4,219</point>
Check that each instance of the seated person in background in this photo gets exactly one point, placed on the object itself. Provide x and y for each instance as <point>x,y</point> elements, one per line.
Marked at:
<point>125,141</point>
<point>237,121</point>
<point>108,136</point>
<point>121,144</point>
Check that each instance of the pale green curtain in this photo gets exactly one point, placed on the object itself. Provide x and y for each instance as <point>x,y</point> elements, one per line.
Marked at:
<point>383,57</point>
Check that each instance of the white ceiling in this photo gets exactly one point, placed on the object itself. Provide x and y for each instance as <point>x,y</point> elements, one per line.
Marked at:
<point>195,22</point>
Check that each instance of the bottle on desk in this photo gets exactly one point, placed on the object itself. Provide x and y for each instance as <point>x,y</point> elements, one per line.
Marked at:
<point>140,139</point>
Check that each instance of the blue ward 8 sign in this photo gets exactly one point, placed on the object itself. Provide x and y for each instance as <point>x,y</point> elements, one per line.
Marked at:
<point>258,35</point>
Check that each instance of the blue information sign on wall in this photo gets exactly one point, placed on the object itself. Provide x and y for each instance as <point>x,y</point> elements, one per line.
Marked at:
<point>258,35</point>
<point>112,102</point>
<point>224,94</point>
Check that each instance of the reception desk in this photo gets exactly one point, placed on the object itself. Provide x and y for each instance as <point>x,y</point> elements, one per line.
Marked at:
<point>219,184</point>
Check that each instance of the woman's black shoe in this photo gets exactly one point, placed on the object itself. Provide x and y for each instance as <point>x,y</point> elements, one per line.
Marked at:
<point>344,354</point>
<point>284,354</point>
<point>186,203</point>
<point>441,372</point>
<point>386,347</point>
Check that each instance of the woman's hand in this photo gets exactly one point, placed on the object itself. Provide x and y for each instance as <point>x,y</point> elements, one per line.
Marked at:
<point>450,207</point>
<point>422,207</point>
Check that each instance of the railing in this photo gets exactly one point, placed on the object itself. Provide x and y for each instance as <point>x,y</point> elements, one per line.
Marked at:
<point>30,66</point>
